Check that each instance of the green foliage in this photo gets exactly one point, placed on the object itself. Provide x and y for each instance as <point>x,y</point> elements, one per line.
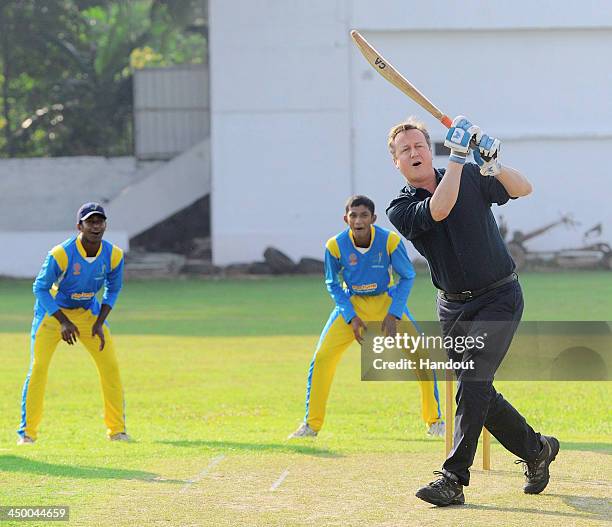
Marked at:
<point>66,69</point>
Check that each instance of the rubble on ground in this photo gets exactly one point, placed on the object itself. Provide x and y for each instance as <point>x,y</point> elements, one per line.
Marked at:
<point>142,264</point>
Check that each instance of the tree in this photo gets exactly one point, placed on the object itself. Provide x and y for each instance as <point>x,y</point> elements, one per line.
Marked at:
<point>66,70</point>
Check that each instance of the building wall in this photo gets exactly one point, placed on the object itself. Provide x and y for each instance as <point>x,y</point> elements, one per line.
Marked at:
<point>299,119</point>
<point>171,110</point>
<point>40,194</point>
<point>280,125</point>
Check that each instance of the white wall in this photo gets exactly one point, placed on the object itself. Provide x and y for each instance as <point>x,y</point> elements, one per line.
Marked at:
<point>299,119</point>
<point>23,253</point>
<point>280,129</point>
<point>45,193</point>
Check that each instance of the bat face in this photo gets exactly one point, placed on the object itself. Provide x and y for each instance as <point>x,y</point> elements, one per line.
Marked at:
<point>385,69</point>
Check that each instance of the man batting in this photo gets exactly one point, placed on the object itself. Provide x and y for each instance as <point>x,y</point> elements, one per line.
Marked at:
<point>363,254</point>
<point>446,214</point>
<point>67,309</point>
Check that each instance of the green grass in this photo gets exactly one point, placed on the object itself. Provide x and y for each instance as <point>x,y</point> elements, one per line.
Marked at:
<point>217,368</point>
<point>294,305</point>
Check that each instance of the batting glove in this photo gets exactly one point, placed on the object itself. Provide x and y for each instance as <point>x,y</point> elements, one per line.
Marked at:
<point>490,167</point>
<point>488,146</point>
<point>459,136</point>
<point>487,156</point>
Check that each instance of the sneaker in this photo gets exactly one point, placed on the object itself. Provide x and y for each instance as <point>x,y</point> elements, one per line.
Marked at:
<point>303,431</point>
<point>121,436</point>
<point>446,490</point>
<point>25,440</point>
<point>437,429</point>
<point>536,471</point>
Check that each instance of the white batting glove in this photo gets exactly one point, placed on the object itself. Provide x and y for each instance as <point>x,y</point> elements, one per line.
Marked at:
<point>459,136</point>
<point>487,156</point>
<point>488,146</point>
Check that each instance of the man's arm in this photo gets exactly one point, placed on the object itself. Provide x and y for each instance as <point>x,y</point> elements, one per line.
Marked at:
<point>446,193</point>
<point>486,155</point>
<point>112,286</point>
<point>53,267</point>
<point>114,279</point>
<point>97,329</point>
<point>401,264</point>
<point>514,182</point>
<point>458,139</point>
<point>332,269</point>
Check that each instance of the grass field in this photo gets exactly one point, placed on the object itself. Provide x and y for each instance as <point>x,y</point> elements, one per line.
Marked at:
<point>214,373</point>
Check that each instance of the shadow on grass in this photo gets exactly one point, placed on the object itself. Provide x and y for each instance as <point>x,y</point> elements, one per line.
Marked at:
<point>601,508</point>
<point>255,447</point>
<point>589,508</point>
<point>598,448</point>
<point>30,466</point>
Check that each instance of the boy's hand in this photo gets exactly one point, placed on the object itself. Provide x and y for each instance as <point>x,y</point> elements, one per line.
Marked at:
<point>389,325</point>
<point>357,324</point>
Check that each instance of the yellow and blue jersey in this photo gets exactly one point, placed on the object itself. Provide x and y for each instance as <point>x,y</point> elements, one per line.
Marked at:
<point>68,280</point>
<point>368,273</point>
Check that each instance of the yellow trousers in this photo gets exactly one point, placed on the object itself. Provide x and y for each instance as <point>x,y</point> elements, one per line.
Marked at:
<point>335,339</point>
<point>45,337</point>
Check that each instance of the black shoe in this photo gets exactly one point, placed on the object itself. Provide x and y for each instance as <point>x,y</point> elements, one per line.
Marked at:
<point>442,492</point>
<point>536,471</point>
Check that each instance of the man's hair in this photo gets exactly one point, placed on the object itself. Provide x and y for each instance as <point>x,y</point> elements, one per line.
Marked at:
<point>412,123</point>
<point>355,201</point>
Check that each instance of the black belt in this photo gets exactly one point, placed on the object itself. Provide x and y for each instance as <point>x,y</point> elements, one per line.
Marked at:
<point>464,296</point>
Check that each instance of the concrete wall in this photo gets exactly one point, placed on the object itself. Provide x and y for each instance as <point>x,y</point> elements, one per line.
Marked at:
<point>45,193</point>
<point>39,199</point>
<point>170,188</point>
<point>280,129</point>
<point>299,119</point>
<point>24,252</point>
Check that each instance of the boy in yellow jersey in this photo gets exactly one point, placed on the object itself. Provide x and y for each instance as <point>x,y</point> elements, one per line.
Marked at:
<point>364,254</point>
<point>67,309</point>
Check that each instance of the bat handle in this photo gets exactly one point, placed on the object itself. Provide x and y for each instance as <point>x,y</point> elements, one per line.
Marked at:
<point>446,121</point>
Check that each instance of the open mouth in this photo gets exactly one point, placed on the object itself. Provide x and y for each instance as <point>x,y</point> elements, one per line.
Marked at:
<point>416,164</point>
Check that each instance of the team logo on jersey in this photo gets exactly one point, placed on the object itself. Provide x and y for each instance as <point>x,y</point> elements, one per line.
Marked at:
<point>353,259</point>
<point>76,269</point>
<point>380,257</point>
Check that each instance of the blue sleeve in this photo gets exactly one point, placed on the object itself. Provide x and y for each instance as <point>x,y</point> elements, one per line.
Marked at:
<point>113,284</point>
<point>340,298</point>
<point>48,275</point>
<point>403,267</point>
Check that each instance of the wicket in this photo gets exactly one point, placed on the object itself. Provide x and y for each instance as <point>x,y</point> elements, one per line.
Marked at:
<point>450,418</point>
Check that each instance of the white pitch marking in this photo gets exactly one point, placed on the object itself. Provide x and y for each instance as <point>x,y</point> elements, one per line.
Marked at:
<point>279,481</point>
<point>215,461</point>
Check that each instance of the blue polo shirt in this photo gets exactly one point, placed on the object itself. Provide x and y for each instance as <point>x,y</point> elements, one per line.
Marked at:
<point>465,251</point>
<point>368,273</point>
<point>68,279</point>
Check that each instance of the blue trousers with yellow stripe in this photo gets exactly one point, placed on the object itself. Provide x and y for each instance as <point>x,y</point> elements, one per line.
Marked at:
<point>335,339</point>
<point>45,337</point>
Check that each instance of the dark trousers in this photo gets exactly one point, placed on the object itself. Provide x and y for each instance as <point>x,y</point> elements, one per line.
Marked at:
<point>496,314</point>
